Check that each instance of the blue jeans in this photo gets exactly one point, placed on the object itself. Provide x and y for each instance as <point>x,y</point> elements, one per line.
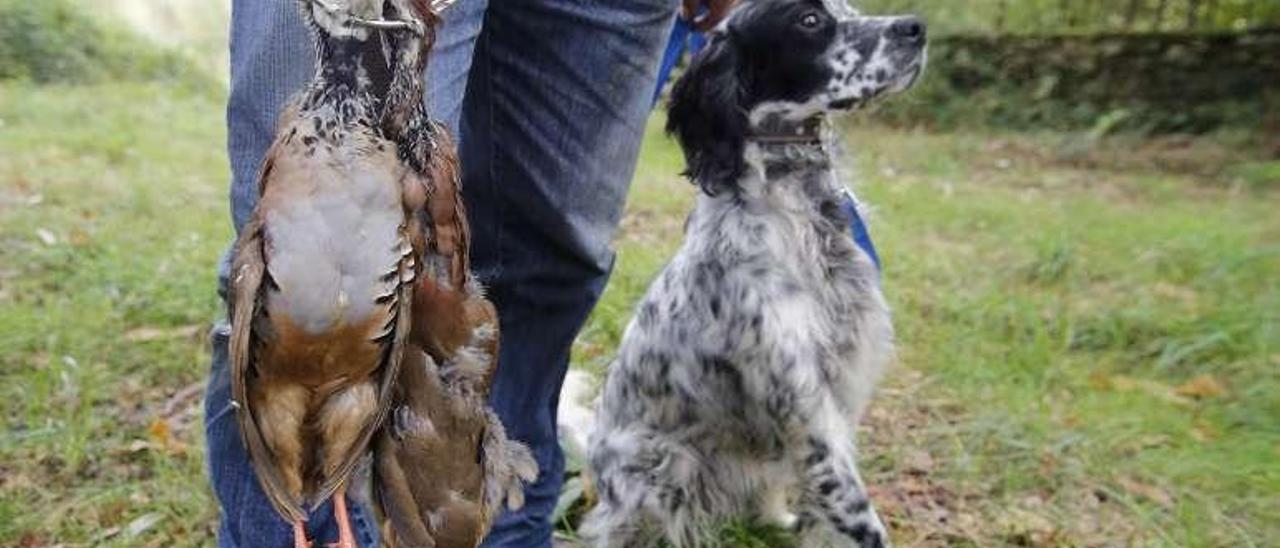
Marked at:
<point>550,98</point>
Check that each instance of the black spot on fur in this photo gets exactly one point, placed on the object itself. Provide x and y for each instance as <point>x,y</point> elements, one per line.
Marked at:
<point>856,532</point>
<point>828,487</point>
<point>857,506</point>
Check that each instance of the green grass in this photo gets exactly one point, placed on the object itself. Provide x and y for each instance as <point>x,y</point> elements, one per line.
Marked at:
<point>1051,294</point>
<point>62,41</point>
<point>112,216</point>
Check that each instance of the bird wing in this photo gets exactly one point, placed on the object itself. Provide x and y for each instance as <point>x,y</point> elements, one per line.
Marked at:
<point>443,463</point>
<point>451,235</point>
<point>399,453</point>
<point>248,274</point>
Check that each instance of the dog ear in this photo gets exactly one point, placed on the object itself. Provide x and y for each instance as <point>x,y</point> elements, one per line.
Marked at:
<point>707,115</point>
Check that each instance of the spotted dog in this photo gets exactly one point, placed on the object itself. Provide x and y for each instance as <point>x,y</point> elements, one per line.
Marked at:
<point>741,378</point>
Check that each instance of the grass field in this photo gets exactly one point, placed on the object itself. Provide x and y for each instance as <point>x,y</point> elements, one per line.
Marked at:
<point>1090,330</point>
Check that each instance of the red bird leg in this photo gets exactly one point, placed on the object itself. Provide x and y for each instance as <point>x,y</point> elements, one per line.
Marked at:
<point>300,536</point>
<point>345,538</point>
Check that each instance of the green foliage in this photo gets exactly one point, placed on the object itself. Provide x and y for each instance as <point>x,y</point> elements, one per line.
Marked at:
<point>1258,175</point>
<point>58,41</point>
<point>1128,83</point>
<point>1083,16</point>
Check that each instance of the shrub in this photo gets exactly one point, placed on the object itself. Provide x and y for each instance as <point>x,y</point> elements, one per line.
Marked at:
<point>56,41</point>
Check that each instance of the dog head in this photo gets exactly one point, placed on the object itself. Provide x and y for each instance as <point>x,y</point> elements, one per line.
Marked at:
<point>785,60</point>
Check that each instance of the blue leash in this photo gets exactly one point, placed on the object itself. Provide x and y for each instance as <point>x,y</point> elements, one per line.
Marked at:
<point>685,38</point>
<point>861,234</point>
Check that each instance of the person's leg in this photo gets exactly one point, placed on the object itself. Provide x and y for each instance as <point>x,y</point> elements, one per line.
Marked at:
<point>271,59</point>
<point>555,110</point>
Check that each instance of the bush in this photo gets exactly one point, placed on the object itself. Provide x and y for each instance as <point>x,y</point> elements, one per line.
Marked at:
<point>1144,83</point>
<point>56,41</point>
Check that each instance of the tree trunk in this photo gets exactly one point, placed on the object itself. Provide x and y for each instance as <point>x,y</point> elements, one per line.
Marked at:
<point>1131,14</point>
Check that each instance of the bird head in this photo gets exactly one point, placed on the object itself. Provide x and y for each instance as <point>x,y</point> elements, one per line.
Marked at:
<point>408,50</point>
<point>407,53</point>
<point>344,19</point>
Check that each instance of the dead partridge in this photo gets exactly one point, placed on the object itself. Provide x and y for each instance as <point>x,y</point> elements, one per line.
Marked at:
<point>324,273</point>
<point>443,466</point>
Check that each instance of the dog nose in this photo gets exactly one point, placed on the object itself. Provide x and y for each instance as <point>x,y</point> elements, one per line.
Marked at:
<point>911,30</point>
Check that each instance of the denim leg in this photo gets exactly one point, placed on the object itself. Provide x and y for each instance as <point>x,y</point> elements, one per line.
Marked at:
<point>271,59</point>
<point>555,111</point>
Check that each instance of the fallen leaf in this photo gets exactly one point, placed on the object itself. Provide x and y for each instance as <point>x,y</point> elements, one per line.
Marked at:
<point>148,334</point>
<point>1203,432</point>
<point>160,432</point>
<point>919,461</point>
<point>1150,492</point>
<point>47,237</point>
<point>1201,387</point>
<point>143,524</point>
<point>1122,383</point>
<point>1026,527</point>
<point>31,540</point>
<point>160,437</point>
<point>78,237</point>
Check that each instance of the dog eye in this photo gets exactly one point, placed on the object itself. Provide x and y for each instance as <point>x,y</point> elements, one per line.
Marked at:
<point>810,20</point>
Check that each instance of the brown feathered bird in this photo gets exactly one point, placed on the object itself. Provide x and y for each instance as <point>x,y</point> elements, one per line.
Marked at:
<point>324,272</point>
<point>443,466</point>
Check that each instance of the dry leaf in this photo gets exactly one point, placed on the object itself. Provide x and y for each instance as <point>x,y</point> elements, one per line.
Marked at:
<point>148,334</point>
<point>1121,383</point>
<point>160,437</point>
<point>47,237</point>
<point>1203,432</point>
<point>79,237</point>
<point>1027,527</point>
<point>1150,492</point>
<point>159,432</point>
<point>919,461</point>
<point>143,524</point>
<point>1202,387</point>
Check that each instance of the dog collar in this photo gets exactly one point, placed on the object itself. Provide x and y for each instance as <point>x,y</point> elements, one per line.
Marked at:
<point>783,132</point>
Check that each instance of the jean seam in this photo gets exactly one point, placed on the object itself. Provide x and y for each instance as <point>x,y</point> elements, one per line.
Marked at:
<point>499,199</point>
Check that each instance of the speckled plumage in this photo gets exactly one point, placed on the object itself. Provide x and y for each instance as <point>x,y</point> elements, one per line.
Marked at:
<point>443,466</point>
<point>322,282</point>
<point>740,381</point>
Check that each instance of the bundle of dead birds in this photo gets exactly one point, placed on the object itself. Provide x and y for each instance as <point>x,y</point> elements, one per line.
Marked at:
<point>357,325</point>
